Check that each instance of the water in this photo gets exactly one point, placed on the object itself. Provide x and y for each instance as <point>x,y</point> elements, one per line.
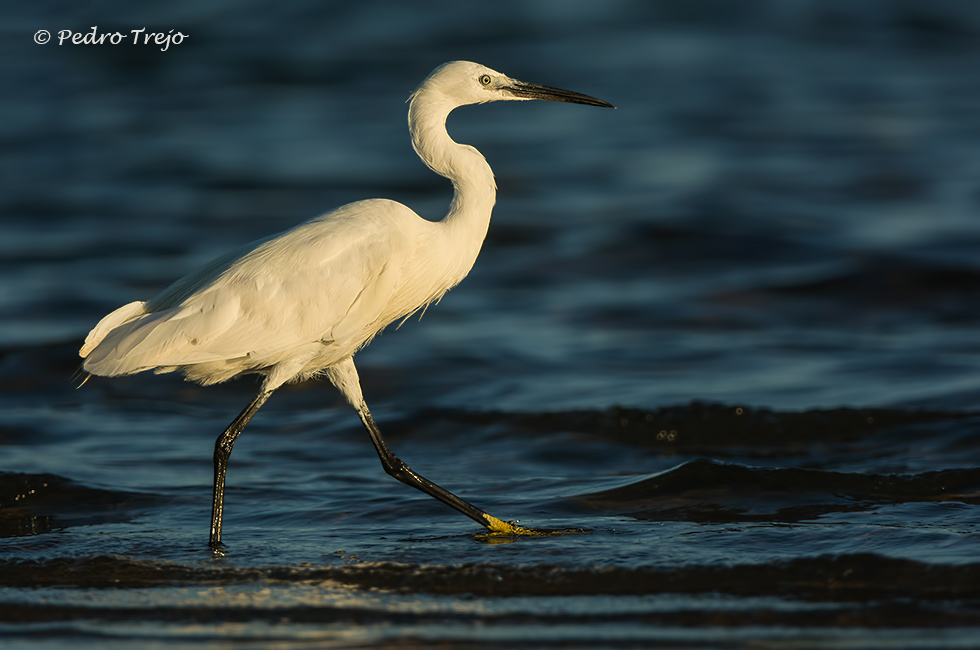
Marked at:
<point>729,330</point>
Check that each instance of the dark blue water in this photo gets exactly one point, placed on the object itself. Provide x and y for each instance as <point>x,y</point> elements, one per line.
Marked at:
<point>729,330</point>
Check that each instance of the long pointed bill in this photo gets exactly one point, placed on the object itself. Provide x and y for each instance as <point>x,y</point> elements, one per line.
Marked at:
<point>534,91</point>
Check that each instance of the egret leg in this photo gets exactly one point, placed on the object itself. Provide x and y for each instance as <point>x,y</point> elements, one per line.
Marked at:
<point>397,468</point>
<point>222,450</point>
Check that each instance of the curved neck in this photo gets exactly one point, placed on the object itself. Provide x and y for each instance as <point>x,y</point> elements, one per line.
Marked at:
<point>472,178</point>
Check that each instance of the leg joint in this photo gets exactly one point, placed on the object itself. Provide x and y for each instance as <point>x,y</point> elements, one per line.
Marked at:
<point>396,467</point>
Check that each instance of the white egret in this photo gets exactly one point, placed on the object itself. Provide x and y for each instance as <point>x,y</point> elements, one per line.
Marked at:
<point>299,304</point>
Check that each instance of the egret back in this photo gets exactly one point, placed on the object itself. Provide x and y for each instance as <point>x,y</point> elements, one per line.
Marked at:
<point>316,293</point>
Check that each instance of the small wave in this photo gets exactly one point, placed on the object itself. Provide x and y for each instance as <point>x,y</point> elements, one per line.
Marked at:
<point>704,490</point>
<point>31,504</point>
<point>723,430</point>
<point>854,576</point>
<point>875,284</point>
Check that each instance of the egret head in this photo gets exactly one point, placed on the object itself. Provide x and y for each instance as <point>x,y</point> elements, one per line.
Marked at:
<point>464,82</point>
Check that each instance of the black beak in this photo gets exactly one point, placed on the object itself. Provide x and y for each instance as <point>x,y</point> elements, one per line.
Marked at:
<point>534,91</point>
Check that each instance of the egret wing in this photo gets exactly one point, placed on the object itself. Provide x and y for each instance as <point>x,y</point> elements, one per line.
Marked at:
<point>329,280</point>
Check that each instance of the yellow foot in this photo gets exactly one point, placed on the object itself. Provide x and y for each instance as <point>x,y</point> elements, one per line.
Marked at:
<point>497,527</point>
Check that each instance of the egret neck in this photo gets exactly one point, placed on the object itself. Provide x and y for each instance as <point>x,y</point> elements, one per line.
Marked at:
<point>474,189</point>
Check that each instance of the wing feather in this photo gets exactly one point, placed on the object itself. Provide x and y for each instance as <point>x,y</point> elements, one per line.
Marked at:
<point>328,281</point>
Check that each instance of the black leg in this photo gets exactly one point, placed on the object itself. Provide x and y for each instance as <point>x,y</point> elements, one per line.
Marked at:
<point>395,467</point>
<point>222,450</point>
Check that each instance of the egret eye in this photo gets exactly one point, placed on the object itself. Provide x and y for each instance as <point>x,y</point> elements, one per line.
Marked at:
<point>485,80</point>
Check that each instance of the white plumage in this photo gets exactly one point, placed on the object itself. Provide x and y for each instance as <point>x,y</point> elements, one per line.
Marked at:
<point>287,306</point>
<point>301,303</point>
